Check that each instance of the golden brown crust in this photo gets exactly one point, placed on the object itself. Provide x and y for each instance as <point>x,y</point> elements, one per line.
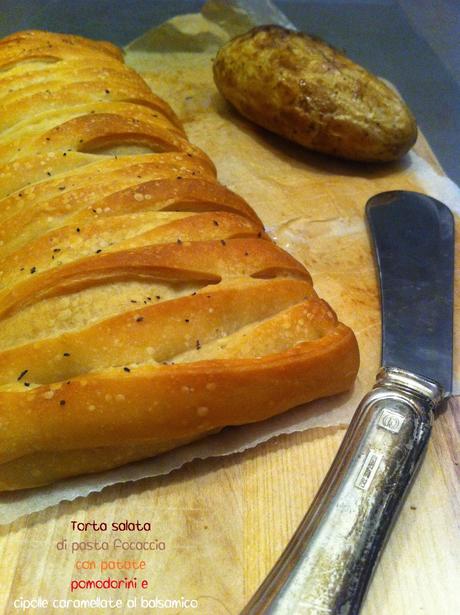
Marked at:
<point>301,88</point>
<point>142,305</point>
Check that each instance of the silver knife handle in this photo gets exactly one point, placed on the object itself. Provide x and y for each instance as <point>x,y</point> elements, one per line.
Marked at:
<point>327,565</point>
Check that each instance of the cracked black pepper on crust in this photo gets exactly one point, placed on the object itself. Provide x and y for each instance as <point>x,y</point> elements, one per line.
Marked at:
<point>166,295</point>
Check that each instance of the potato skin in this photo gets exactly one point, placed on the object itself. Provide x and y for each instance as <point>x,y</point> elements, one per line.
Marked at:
<point>301,88</point>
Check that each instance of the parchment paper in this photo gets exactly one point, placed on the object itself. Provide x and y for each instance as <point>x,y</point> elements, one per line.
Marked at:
<point>312,205</point>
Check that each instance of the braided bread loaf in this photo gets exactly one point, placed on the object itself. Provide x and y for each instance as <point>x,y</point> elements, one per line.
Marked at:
<point>142,305</point>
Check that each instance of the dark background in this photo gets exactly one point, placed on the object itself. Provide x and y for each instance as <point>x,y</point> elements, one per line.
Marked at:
<point>413,43</point>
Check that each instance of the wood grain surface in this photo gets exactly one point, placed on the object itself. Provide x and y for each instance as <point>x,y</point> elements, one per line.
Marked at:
<point>225,521</point>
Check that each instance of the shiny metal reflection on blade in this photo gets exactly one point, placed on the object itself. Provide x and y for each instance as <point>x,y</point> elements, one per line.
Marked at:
<point>413,237</point>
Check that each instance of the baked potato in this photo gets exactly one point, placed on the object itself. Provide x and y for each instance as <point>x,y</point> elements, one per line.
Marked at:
<point>303,89</point>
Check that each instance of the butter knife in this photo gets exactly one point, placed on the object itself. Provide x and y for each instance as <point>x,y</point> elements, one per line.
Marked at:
<point>328,564</point>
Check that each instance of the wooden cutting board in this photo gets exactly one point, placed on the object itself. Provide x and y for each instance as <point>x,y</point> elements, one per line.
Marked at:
<point>225,521</point>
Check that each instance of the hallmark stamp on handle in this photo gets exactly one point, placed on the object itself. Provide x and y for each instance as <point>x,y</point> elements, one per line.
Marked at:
<point>368,470</point>
<point>391,420</point>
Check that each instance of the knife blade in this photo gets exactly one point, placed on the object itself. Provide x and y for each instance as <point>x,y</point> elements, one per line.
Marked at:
<point>415,283</point>
<point>328,564</point>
